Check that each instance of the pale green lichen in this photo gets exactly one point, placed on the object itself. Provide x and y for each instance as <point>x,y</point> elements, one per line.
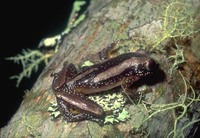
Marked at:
<point>177,21</point>
<point>177,59</point>
<point>87,63</point>
<point>30,60</point>
<point>53,109</point>
<point>114,102</point>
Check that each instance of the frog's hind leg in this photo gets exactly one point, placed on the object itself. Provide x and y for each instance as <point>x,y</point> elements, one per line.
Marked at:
<point>76,107</point>
<point>68,113</point>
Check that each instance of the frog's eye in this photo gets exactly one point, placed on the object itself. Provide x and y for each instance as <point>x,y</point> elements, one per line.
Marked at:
<point>150,65</point>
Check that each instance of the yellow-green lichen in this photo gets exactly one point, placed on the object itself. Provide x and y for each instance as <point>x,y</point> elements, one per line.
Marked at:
<point>53,109</point>
<point>177,21</point>
<point>177,59</point>
<point>30,60</point>
<point>114,102</point>
<point>87,63</point>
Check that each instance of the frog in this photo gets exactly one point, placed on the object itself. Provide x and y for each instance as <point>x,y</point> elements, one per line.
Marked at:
<point>72,86</point>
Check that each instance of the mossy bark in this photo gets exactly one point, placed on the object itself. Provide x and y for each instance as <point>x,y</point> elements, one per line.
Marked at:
<point>106,22</point>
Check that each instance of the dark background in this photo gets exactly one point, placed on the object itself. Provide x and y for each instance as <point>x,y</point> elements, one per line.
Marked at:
<point>25,24</point>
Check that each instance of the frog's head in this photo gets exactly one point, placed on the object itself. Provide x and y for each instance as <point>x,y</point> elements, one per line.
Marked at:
<point>146,67</point>
<point>140,64</point>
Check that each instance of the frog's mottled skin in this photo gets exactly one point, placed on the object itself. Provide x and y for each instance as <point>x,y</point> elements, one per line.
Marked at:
<point>71,86</point>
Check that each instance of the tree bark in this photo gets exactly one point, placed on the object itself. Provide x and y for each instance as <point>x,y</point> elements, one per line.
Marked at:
<point>106,22</point>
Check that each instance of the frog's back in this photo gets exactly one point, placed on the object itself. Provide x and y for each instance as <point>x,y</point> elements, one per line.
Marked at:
<point>109,73</point>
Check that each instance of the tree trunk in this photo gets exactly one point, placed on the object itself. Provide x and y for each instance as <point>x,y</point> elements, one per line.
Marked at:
<point>134,23</point>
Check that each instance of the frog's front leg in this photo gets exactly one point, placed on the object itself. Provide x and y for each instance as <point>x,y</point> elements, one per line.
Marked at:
<point>75,107</point>
<point>105,54</point>
<point>126,86</point>
<point>130,89</point>
<point>60,78</point>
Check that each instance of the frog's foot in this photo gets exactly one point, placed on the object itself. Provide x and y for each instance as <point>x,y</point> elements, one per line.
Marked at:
<point>75,115</point>
<point>106,53</point>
